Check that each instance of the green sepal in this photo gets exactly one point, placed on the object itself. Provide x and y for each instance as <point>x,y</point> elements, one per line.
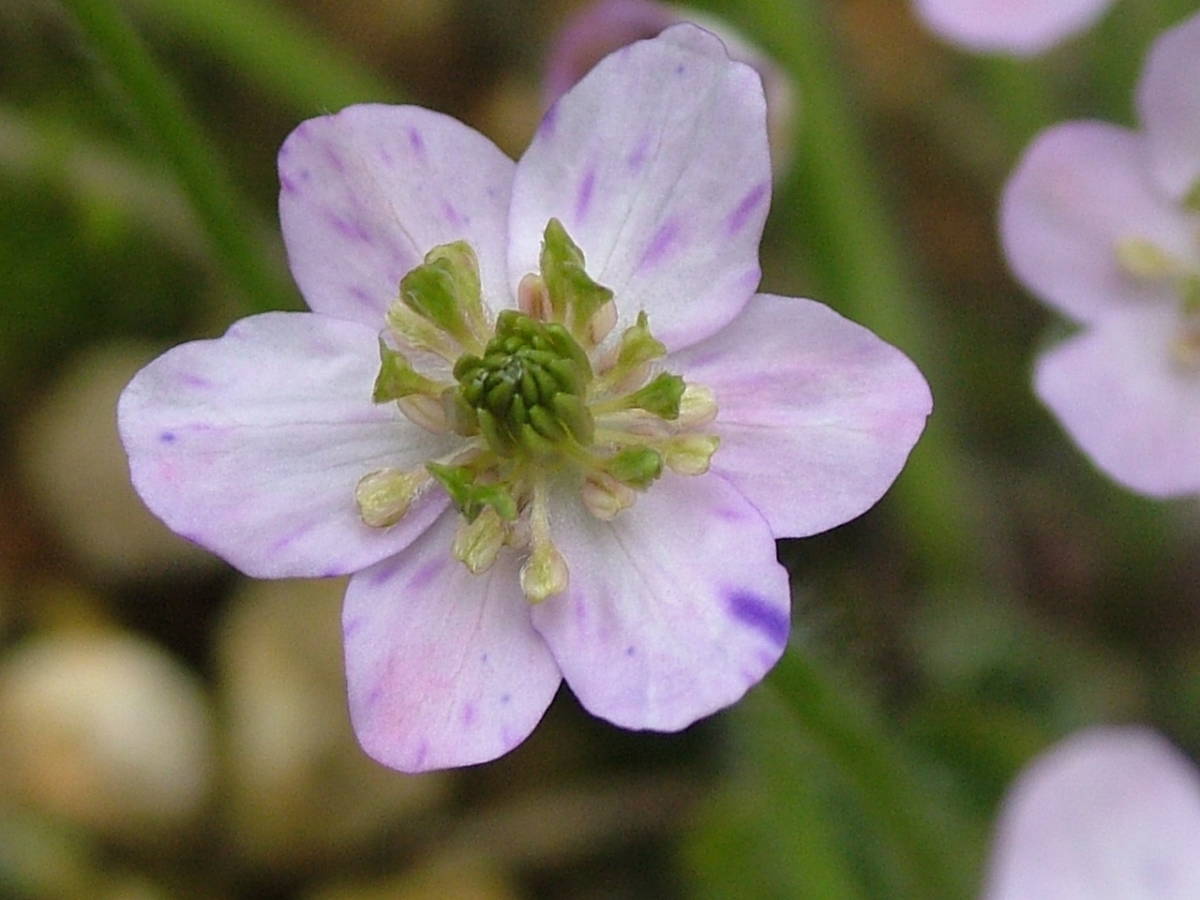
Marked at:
<point>574,296</point>
<point>444,290</point>
<point>637,467</point>
<point>638,345</point>
<point>660,397</point>
<point>469,498</point>
<point>397,378</point>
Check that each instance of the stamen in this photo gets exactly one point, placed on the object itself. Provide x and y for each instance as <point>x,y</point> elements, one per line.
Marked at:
<point>384,496</point>
<point>544,573</point>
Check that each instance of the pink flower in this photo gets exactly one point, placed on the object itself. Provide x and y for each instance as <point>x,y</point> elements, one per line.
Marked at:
<point>608,25</point>
<point>1108,814</point>
<point>618,425</point>
<point>1019,27</point>
<point>1102,223</point>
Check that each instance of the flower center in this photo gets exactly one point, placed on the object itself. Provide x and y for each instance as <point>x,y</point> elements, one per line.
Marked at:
<point>540,399</point>
<point>1146,262</point>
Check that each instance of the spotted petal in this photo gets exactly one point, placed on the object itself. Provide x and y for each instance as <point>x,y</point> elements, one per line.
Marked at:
<point>444,668</point>
<point>1127,404</point>
<point>1081,189</point>
<point>816,414</point>
<point>674,608</point>
<point>657,164</point>
<point>1109,814</point>
<point>367,192</point>
<point>1169,105</point>
<point>251,445</point>
<point>1020,27</point>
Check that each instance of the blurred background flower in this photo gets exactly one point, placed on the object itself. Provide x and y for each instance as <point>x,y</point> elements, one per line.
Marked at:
<point>170,730</point>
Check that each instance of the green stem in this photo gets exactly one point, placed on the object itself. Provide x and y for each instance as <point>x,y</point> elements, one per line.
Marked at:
<point>927,842</point>
<point>834,203</point>
<point>192,158</point>
<point>266,43</point>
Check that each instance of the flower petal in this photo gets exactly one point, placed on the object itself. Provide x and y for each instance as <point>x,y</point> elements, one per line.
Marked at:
<point>1169,107</point>
<point>674,608</point>
<point>444,668</point>
<point>1129,406</point>
<point>367,192</point>
<point>1081,188</point>
<point>1108,814</point>
<point>657,164</point>
<point>251,445</point>
<point>1020,27</point>
<point>596,31</point>
<point>816,414</point>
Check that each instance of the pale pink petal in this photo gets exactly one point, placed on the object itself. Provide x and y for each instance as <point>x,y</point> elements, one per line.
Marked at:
<point>596,31</point>
<point>1020,27</point>
<point>367,192</point>
<point>1108,814</point>
<point>444,668</point>
<point>1131,408</point>
<point>657,165</point>
<point>1169,106</point>
<point>251,445</point>
<point>1080,189</point>
<point>816,414</point>
<point>674,608</point>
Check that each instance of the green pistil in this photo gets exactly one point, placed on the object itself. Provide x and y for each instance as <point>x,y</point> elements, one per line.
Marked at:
<point>536,402</point>
<point>526,393</point>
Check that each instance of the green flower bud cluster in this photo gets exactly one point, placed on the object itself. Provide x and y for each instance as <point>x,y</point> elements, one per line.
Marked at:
<point>528,390</point>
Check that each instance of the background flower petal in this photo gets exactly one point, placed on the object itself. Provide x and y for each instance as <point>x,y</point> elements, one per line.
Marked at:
<point>1169,106</point>
<point>674,608</point>
<point>816,414</point>
<point>367,192</point>
<point>444,668</point>
<point>1080,188</point>
<point>1108,814</point>
<point>1117,391</point>
<point>657,164</point>
<point>1021,27</point>
<point>251,445</point>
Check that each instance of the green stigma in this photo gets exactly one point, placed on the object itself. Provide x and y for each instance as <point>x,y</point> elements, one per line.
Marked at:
<point>539,400</point>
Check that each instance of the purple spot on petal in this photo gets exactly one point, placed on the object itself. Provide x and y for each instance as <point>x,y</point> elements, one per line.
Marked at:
<point>422,754</point>
<point>362,295</point>
<point>638,157</point>
<point>583,198</point>
<point>741,214</point>
<point>506,699</point>
<point>483,657</point>
<point>288,185</point>
<point>334,160</point>
<point>729,515</point>
<point>332,573</point>
<point>754,611</point>
<point>305,174</point>
<point>352,627</point>
<point>546,129</point>
<point>374,695</point>
<point>351,230</point>
<point>416,141</point>
<point>426,574</point>
<point>749,280</point>
<point>680,69</point>
<point>664,240</point>
<point>292,536</point>
<point>631,650</point>
<point>167,437</point>
<point>194,381</point>
<point>451,215</point>
<point>386,571</point>
<point>468,714</point>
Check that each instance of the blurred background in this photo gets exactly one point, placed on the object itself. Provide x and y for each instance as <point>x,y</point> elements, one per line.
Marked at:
<point>169,728</point>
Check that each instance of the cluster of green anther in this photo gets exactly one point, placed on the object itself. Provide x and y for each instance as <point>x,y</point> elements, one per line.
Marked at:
<point>527,393</point>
